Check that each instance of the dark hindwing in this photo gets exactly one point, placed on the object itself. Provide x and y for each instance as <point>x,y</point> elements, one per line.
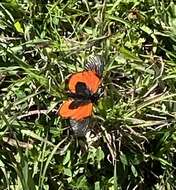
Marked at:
<point>80,128</point>
<point>96,64</point>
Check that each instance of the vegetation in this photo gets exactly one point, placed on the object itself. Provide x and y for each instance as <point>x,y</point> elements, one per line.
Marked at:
<point>132,144</point>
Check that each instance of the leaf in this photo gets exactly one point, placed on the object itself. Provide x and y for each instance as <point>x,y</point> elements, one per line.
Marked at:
<point>3,169</point>
<point>18,27</point>
<point>68,172</point>
<point>67,158</point>
<point>123,159</point>
<point>35,136</point>
<point>26,98</point>
<point>146,29</point>
<point>82,183</point>
<point>97,185</point>
<point>99,154</point>
<point>129,55</point>
<point>134,171</point>
<point>118,19</point>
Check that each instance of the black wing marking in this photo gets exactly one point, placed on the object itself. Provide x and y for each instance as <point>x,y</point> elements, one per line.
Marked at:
<point>80,87</point>
<point>78,102</point>
<point>82,90</point>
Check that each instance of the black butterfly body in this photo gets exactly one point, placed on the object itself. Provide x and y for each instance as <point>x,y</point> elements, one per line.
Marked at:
<point>82,96</point>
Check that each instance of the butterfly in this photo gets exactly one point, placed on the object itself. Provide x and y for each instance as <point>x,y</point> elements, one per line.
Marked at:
<point>83,93</point>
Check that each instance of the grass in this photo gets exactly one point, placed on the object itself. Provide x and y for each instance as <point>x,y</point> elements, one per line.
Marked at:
<point>133,138</point>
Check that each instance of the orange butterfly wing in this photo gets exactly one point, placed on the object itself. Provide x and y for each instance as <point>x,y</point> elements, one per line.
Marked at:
<point>90,78</point>
<point>77,114</point>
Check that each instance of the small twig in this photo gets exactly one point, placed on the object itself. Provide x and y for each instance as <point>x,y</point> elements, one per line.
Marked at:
<point>21,144</point>
<point>4,39</point>
<point>35,112</point>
